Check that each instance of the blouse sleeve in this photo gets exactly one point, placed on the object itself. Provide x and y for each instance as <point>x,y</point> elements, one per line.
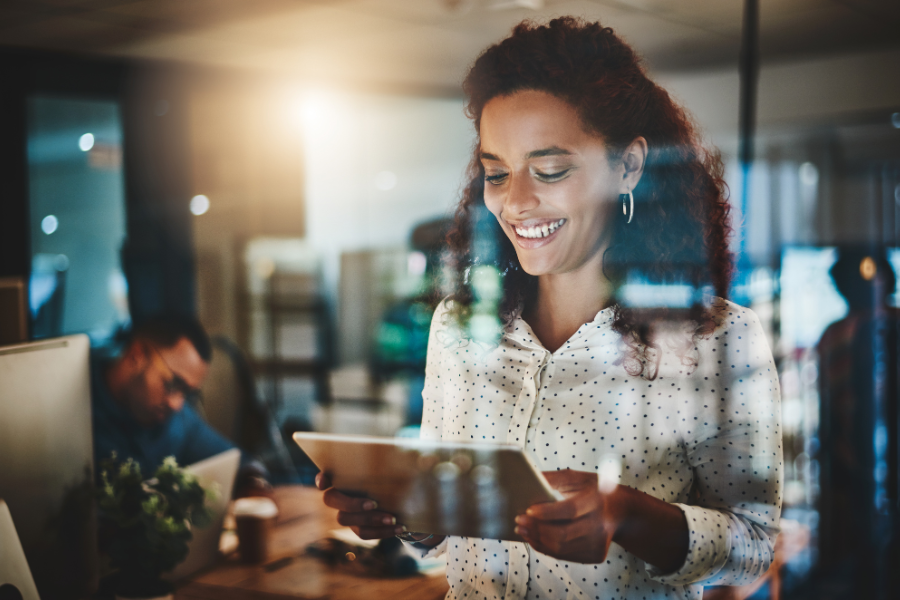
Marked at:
<point>433,402</point>
<point>732,438</point>
<point>433,392</point>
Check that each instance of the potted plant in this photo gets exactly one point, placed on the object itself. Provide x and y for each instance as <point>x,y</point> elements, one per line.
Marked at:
<point>147,524</point>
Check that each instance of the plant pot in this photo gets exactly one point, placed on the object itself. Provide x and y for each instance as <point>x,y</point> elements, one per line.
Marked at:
<point>142,588</point>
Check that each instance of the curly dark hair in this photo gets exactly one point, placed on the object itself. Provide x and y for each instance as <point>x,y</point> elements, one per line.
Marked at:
<point>681,228</point>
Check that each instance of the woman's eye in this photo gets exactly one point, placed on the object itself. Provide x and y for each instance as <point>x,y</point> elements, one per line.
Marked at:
<point>495,179</point>
<point>551,177</point>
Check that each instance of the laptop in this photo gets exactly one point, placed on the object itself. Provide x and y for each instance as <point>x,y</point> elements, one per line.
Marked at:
<point>15,576</point>
<point>203,550</point>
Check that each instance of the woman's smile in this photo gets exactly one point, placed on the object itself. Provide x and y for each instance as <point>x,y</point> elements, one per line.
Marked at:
<point>536,233</point>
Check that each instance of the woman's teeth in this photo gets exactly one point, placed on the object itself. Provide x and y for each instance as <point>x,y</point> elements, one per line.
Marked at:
<point>539,231</point>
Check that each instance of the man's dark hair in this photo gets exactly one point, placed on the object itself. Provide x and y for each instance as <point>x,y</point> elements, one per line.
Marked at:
<point>166,330</point>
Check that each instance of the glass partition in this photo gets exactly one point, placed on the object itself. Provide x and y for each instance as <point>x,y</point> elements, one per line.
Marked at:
<point>77,217</point>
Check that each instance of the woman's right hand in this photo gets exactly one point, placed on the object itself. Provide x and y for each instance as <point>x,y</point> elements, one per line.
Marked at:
<point>359,514</point>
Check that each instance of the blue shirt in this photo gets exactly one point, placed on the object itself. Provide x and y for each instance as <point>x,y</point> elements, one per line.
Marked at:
<point>184,435</point>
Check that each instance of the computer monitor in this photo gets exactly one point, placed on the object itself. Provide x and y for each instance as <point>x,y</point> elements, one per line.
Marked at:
<point>46,461</point>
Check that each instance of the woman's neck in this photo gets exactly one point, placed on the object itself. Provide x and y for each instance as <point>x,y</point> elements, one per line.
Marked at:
<point>565,302</point>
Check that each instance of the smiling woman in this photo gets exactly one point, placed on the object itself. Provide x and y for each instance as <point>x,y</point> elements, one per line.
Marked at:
<point>659,426</point>
<point>552,187</point>
<point>572,99</point>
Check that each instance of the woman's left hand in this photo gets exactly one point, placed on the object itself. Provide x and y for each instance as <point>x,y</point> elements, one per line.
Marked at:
<point>579,528</point>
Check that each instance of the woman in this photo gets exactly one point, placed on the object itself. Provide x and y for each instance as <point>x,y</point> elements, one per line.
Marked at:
<point>595,178</point>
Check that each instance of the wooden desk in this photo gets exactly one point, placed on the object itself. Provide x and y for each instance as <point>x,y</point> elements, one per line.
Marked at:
<point>302,520</point>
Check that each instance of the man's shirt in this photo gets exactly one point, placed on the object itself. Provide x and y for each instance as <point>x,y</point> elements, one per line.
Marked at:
<point>184,435</point>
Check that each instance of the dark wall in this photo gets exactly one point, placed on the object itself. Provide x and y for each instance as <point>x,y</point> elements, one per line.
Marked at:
<point>158,257</point>
<point>14,242</point>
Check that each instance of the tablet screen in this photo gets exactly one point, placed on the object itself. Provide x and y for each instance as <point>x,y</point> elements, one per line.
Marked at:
<point>473,490</point>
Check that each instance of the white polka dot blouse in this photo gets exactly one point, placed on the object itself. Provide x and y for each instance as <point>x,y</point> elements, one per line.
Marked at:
<point>711,423</point>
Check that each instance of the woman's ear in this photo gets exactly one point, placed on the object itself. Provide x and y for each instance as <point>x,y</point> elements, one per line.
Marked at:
<point>633,159</point>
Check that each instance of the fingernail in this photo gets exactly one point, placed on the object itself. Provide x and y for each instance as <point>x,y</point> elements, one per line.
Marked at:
<point>521,519</point>
<point>389,520</point>
<point>370,505</point>
<point>399,530</point>
<point>521,531</point>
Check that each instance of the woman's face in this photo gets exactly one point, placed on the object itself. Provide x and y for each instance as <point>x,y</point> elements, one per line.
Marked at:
<point>549,183</point>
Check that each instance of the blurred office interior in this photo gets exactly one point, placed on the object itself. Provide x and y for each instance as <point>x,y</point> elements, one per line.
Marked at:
<point>284,169</point>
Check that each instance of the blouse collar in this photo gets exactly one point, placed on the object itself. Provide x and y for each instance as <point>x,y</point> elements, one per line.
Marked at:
<point>520,331</point>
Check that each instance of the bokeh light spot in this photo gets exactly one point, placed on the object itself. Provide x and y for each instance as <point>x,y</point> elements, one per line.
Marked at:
<point>199,204</point>
<point>49,224</point>
<point>385,180</point>
<point>809,174</point>
<point>86,142</point>
<point>867,268</point>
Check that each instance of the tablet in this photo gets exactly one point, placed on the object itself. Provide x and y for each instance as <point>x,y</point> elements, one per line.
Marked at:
<point>472,490</point>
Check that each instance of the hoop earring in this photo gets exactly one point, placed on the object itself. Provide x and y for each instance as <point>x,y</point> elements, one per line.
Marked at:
<point>628,207</point>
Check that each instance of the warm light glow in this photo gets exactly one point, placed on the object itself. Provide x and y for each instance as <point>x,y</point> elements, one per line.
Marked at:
<point>86,142</point>
<point>317,107</point>
<point>49,224</point>
<point>385,180</point>
<point>199,204</point>
<point>867,268</point>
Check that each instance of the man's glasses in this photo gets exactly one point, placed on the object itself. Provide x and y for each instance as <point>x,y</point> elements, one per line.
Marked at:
<point>175,384</point>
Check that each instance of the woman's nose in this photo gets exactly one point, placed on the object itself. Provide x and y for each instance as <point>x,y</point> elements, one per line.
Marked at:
<point>520,196</point>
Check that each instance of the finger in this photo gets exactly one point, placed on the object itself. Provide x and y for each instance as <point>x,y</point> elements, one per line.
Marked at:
<point>575,507</point>
<point>377,533</point>
<point>569,481</point>
<point>366,519</point>
<point>335,499</point>
<point>531,537</point>
<point>525,533</point>
<point>323,481</point>
<point>549,536</point>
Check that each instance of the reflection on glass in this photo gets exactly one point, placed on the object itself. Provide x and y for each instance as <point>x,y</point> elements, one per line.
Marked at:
<point>76,200</point>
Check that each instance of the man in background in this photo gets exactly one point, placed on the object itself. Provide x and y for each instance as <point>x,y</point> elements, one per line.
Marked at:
<point>859,528</point>
<point>144,400</point>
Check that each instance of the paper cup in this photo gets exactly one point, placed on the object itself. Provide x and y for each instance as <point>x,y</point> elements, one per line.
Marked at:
<point>254,518</point>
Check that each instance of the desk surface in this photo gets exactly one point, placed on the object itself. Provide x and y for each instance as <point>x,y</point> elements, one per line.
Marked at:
<point>302,520</point>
